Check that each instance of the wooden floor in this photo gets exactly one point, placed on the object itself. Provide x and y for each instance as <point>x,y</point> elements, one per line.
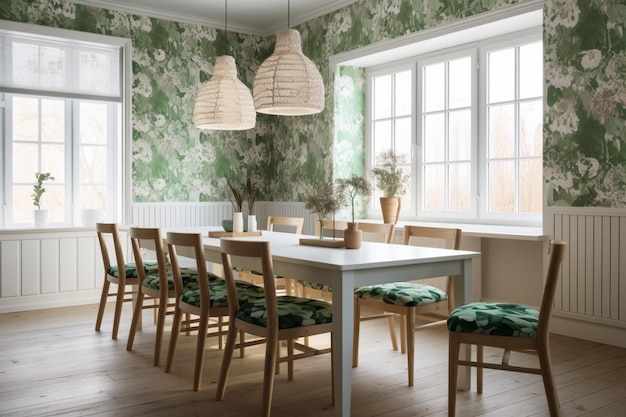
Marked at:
<point>53,363</point>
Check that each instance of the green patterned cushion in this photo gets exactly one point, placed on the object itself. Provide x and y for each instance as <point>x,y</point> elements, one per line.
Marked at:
<point>292,312</point>
<point>495,318</point>
<point>130,269</point>
<point>402,293</point>
<point>189,276</point>
<point>254,272</point>
<point>316,286</point>
<point>217,289</point>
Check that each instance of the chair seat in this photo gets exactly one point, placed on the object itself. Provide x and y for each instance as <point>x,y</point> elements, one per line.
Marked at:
<point>497,319</point>
<point>130,269</point>
<point>217,290</point>
<point>316,286</point>
<point>189,276</point>
<point>292,312</point>
<point>402,293</point>
<point>255,272</point>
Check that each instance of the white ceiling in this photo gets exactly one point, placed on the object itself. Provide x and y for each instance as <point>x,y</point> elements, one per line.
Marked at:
<point>260,17</point>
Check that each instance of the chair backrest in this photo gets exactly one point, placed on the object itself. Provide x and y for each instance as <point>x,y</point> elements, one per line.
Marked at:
<point>446,237</point>
<point>260,252</point>
<point>110,229</point>
<point>331,228</point>
<point>383,231</point>
<point>296,222</point>
<point>557,251</point>
<point>189,245</point>
<point>152,234</point>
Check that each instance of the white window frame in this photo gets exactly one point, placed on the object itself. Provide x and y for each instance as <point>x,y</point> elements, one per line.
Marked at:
<point>119,191</point>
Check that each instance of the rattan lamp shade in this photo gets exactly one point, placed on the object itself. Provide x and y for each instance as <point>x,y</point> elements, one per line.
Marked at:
<point>287,82</point>
<point>224,102</point>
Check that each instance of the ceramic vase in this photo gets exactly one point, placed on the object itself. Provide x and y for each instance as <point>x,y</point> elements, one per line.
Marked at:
<point>237,222</point>
<point>252,223</point>
<point>352,236</point>
<point>41,218</point>
<point>390,206</point>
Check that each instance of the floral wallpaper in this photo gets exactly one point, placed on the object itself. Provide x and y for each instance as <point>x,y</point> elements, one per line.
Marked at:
<point>288,157</point>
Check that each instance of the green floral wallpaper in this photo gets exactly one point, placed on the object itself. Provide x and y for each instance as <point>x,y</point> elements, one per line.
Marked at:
<point>585,63</point>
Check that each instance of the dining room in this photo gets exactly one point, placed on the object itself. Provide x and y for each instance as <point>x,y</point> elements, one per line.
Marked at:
<point>151,164</point>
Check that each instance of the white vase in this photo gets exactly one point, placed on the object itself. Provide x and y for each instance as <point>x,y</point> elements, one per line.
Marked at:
<point>238,222</point>
<point>41,218</point>
<point>252,223</point>
<point>89,217</point>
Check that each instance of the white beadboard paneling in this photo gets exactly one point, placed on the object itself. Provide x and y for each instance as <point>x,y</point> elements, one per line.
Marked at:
<point>50,266</point>
<point>67,269</point>
<point>30,259</point>
<point>10,255</point>
<point>85,263</point>
<point>621,276</point>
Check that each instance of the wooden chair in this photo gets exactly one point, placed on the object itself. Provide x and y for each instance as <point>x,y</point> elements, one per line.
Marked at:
<point>261,316</point>
<point>119,273</point>
<point>205,298</point>
<point>156,283</point>
<point>407,298</point>
<point>511,327</point>
<point>255,277</point>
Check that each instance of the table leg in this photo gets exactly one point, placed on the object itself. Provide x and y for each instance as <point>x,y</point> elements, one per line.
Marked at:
<point>343,315</point>
<point>464,281</point>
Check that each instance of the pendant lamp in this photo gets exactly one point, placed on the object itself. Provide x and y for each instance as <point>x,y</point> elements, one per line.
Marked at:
<point>287,82</point>
<point>224,102</point>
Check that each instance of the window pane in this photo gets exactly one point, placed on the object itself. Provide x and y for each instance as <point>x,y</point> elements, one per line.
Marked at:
<point>434,138</point>
<point>403,136</point>
<point>459,131</point>
<point>93,123</point>
<point>382,97</point>
<point>53,161</point>
<point>531,186</point>
<point>460,187</point>
<point>93,165</point>
<point>501,131</point>
<point>92,197</point>
<point>531,70</point>
<point>502,187</point>
<point>25,162</point>
<point>53,120</point>
<point>404,89</point>
<point>434,87</point>
<point>501,77</point>
<point>382,136</point>
<point>434,186</point>
<point>23,204</point>
<point>531,129</point>
<point>460,73</point>
<point>54,201</point>
<point>25,119</point>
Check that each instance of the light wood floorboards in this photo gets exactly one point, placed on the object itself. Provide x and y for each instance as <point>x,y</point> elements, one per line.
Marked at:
<point>53,363</point>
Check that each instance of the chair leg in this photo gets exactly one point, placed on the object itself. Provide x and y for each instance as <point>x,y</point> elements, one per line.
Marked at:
<point>548,381</point>
<point>392,332</point>
<point>271,358</point>
<point>242,342</point>
<point>161,313</point>
<point>403,335</point>
<point>135,321</point>
<point>453,371</point>
<point>479,369</point>
<point>103,303</point>
<point>231,338</point>
<point>119,303</point>
<point>357,332</point>
<point>173,338</point>
<point>410,343</point>
<point>290,352</point>
<point>200,343</point>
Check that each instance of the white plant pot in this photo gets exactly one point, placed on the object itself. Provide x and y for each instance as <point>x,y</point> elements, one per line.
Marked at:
<point>89,217</point>
<point>237,222</point>
<point>252,223</point>
<point>41,218</point>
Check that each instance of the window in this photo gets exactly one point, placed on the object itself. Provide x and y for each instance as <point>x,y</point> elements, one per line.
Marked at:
<point>62,113</point>
<point>468,122</point>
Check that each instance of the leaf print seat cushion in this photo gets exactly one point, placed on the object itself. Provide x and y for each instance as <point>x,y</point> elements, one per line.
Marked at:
<point>497,319</point>
<point>402,293</point>
<point>292,312</point>
<point>130,269</point>
<point>189,276</point>
<point>245,291</point>
<point>316,286</point>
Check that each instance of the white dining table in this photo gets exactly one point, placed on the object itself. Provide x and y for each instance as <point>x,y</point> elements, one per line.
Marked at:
<point>346,269</point>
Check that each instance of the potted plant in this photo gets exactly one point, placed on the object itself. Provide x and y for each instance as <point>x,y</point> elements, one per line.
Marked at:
<point>237,202</point>
<point>250,197</point>
<point>323,203</point>
<point>349,189</point>
<point>41,216</point>
<point>391,180</point>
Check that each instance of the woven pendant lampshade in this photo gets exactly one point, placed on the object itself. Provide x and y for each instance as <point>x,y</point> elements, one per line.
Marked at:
<point>287,82</point>
<point>224,102</point>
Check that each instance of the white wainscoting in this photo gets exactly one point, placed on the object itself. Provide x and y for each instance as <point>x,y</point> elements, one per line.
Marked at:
<point>591,297</point>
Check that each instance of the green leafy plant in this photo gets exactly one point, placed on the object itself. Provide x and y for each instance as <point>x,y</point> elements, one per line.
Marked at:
<point>351,188</point>
<point>236,198</point>
<point>250,195</point>
<point>324,202</point>
<point>38,189</point>
<point>390,179</point>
